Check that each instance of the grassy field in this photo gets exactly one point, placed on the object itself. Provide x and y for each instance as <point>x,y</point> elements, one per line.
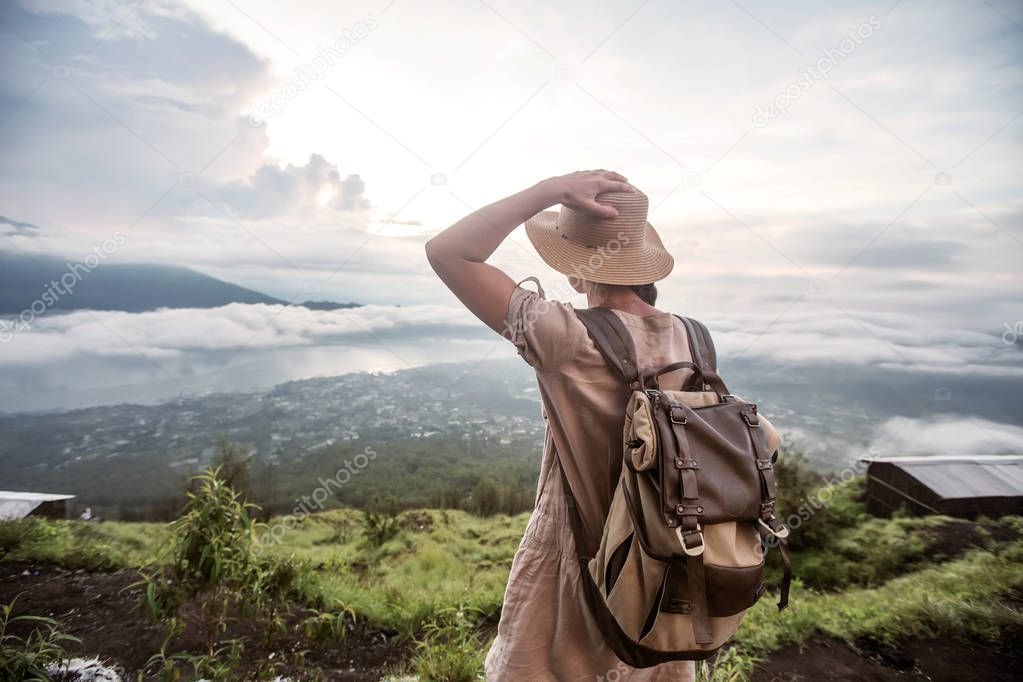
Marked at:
<point>406,573</point>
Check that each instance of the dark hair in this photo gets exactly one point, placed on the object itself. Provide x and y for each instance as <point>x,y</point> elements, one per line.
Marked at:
<point>647,292</point>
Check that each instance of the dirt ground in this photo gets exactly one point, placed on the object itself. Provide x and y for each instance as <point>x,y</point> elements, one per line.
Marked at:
<point>101,610</point>
<point>939,660</point>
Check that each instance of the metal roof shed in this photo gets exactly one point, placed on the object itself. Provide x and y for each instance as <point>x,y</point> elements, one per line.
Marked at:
<point>18,505</point>
<point>966,487</point>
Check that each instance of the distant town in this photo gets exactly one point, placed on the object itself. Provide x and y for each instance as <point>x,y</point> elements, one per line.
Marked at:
<point>291,423</point>
<point>443,429</point>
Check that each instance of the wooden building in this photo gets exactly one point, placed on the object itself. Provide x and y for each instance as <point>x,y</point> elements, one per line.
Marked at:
<point>965,487</point>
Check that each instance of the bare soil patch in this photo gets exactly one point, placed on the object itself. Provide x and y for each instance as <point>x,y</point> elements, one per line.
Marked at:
<point>101,610</point>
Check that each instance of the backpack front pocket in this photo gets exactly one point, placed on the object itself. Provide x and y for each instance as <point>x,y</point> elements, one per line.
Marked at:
<point>729,589</point>
<point>650,599</point>
<point>634,585</point>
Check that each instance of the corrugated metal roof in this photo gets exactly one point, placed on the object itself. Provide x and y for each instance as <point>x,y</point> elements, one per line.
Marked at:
<point>964,477</point>
<point>32,497</point>
<point>931,459</point>
<point>18,505</point>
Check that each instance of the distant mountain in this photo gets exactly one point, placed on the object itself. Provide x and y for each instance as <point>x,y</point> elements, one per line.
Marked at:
<point>131,288</point>
<point>327,305</point>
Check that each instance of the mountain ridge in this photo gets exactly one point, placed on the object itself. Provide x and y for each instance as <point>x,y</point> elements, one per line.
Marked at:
<point>60,285</point>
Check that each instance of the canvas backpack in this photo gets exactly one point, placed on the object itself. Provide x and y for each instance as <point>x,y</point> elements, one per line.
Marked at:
<point>681,556</point>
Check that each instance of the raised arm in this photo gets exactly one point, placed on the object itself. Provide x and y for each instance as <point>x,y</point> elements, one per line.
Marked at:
<point>459,253</point>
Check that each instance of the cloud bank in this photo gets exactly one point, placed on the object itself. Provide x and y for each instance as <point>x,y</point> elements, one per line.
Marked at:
<point>945,435</point>
<point>823,336</point>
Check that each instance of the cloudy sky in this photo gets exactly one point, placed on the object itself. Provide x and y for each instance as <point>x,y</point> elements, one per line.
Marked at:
<point>839,182</point>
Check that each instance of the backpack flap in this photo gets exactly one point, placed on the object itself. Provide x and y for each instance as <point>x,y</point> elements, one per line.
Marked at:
<point>706,461</point>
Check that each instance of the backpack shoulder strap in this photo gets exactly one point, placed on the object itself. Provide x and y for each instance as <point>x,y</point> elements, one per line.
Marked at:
<point>613,341</point>
<point>701,346</point>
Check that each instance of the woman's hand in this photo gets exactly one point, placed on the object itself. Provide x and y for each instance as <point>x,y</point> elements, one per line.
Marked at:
<point>459,253</point>
<point>578,190</point>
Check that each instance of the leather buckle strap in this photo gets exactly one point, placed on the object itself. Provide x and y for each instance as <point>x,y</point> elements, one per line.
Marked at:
<point>683,606</point>
<point>783,598</point>
<point>765,467</point>
<point>773,526</point>
<point>697,584</point>
<point>769,522</point>
<point>688,485</point>
<point>696,546</point>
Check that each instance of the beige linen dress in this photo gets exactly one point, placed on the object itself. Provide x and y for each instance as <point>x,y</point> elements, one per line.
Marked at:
<point>545,630</point>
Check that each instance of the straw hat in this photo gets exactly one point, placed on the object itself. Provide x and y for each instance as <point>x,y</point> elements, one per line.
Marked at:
<point>620,250</point>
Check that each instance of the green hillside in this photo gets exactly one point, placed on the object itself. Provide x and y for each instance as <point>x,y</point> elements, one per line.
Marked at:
<point>425,586</point>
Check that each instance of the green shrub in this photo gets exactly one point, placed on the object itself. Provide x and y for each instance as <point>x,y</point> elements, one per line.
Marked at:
<point>381,522</point>
<point>12,536</point>
<point>814,507</point>
<point>451,649</point>
<point>342,533</point>
<point>490,497</point>
<point>486,499</point>
<point>321,626</point>
<point>211,559</point>
<point>234,462</point>
<point>219,665</point>
<point>871,552</point>
<point>98,557</point>
<point>728,665</point>
<point>35,536</point>
<point>967,598</point>
<point>27,658</point>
